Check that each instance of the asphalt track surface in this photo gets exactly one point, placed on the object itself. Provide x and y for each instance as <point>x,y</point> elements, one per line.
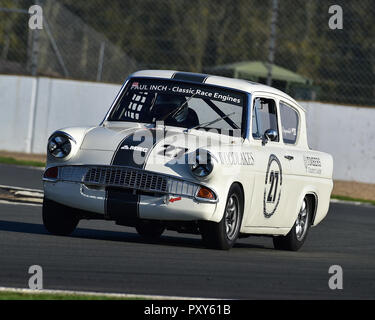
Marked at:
<point>100,256</point>
<point>18,176</point>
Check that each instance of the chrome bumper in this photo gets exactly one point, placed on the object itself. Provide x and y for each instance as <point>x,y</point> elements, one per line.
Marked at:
<point>130,178</point>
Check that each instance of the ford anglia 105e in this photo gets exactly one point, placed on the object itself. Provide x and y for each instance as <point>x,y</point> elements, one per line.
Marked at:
<point>193,153</point>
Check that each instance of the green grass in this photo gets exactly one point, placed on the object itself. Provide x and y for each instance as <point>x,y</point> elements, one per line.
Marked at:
<point>10,295</point>
<point>10,160</point>
<point>345,198</point>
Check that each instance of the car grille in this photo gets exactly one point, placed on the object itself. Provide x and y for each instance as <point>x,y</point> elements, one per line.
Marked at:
<point>127,177</point>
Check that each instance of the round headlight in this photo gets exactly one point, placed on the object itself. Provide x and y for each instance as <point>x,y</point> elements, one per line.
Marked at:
<point>203,164</point>
<point>59,146</point>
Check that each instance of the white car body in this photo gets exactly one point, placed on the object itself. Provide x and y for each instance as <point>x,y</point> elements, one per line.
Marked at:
<point>246,161</point>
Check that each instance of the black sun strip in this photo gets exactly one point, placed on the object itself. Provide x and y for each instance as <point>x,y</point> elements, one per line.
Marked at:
<point>191,77</point>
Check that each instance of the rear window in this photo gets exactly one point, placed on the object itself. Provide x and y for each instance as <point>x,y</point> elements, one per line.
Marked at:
<point>289,123</point>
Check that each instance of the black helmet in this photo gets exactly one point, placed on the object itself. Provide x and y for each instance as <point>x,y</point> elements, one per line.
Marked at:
<point>166,104</point>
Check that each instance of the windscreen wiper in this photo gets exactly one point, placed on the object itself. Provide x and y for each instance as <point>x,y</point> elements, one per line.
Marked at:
<point>203,125</point>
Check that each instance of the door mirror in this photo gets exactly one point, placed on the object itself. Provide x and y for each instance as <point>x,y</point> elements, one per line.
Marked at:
<point>269,135</point>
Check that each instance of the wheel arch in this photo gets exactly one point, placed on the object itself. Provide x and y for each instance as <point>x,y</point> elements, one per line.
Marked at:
<point>239,184</point>
<point>242,191</point>
<point>312,195</point>
<point>313,199</point>
<point>223,192</point>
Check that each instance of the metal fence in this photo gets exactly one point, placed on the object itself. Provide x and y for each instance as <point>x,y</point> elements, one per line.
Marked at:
<point>288,41</point>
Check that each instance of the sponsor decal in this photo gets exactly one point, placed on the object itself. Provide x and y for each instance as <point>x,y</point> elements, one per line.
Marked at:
<point>135,85</point>
<point>312,164</point>
<point>134,148</point>
<point>199,91</point>
<point>272,188</point>
<point>290,131</point>
<point>237,158</point>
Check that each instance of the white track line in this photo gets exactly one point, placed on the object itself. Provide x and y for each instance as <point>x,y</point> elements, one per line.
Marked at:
<point>20,188</point>
<point>18,203</point>
<point>104,294</point>
<point>354,203</point>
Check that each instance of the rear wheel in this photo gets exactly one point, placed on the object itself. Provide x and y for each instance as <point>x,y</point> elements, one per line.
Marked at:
<point>150,230</point>
<point>294,240</point>
<point>224,234</point>
<point>57,219</point>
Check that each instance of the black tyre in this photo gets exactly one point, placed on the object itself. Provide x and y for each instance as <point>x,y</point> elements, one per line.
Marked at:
<point>150,230</point>
<point>57,218</point>
<point>296,237</point>
<point>224,234</point>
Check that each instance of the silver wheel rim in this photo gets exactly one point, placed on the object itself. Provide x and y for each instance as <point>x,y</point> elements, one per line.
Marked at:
<point>302,221</point>
<point>231,216</point>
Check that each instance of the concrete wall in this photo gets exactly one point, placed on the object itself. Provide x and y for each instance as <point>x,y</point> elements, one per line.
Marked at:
<point>31,109</point>
<point>348,133</point>
<point>64,103</point>
<point>16,96</point>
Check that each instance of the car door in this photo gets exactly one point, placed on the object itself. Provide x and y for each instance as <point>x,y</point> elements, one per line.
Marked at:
<point>270,194</point>
<point>294,153</point>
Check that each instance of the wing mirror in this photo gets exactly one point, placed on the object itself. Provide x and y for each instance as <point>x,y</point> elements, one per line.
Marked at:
<point>269,135</point>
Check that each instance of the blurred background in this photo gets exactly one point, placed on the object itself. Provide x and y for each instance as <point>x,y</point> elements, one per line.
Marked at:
<point>68,73</point>
<point>101,40</point>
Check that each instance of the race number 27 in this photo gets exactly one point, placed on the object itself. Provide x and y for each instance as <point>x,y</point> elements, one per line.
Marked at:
<point>274,181</point>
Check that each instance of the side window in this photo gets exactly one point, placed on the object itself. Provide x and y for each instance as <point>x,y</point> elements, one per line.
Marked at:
<point>264,117</point>
<point>289,123</point>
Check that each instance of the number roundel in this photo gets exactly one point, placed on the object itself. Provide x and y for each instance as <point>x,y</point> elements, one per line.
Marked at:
<point>272,189</point>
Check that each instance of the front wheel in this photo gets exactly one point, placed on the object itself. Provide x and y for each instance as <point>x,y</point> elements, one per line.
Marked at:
<point>224,234</point>
<point>57,218</point>
<point>294,240</point>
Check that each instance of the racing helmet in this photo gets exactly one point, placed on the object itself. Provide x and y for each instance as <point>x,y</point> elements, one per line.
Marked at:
<point>168,104</point>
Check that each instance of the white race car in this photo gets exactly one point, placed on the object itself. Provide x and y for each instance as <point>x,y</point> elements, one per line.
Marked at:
<point>194,153</point>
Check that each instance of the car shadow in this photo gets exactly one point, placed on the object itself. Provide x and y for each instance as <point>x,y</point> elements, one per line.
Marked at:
<point>117,236</point>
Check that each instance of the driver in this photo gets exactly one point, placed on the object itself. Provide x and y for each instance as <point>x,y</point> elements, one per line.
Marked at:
<point>174,107</point>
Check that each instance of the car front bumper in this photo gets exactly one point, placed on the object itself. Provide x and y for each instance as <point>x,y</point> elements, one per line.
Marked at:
<point>133,194</point>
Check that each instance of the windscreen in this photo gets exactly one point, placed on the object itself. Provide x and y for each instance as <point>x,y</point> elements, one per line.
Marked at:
<point>181,104</point>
